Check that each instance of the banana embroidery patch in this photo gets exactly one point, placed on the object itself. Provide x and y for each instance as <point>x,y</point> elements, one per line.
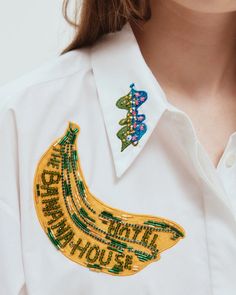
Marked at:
<point>86,230</point>
<point>133,125</point>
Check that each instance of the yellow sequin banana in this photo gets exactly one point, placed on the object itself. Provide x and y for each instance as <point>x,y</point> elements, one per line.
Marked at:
<point>86,230</point>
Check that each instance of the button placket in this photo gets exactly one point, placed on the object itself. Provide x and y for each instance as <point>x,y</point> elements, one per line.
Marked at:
<point>198,156</point>
<point>226,171</point>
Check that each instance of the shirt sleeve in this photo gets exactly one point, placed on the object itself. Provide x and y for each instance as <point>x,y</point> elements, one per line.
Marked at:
<point>12,280</point>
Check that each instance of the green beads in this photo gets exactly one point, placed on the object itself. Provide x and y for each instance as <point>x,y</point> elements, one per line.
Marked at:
<point>79,222</point>
<point>53,240</point>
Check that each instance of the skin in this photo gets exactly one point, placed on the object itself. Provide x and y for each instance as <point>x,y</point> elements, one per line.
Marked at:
<point>190,47</point>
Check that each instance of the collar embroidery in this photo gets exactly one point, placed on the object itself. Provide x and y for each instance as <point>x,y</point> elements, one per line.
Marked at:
<point>133,126</point>
<point>86,230</point>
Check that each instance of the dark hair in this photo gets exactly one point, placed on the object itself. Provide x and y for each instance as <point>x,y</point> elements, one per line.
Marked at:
<point>94,18</point>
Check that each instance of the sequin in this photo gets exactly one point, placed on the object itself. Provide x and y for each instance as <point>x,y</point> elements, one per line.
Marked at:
<point>132,130</point>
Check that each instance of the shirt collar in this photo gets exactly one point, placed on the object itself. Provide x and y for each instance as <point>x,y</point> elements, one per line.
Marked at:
<point>117,62</point>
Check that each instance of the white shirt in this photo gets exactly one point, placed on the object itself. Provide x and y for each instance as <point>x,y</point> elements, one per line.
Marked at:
<point>168,174</point>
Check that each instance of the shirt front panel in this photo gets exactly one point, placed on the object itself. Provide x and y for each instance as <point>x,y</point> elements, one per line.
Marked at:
<point>158,183</point>
<point>170,177</point>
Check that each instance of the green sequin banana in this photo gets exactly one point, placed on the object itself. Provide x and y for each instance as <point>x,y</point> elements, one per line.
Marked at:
<point>86,230</point>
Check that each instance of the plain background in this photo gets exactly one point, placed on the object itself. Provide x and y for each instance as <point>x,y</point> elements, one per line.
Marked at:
<point>31,32</point>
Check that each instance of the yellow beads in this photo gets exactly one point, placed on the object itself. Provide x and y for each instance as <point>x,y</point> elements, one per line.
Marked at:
<point>86,230</point>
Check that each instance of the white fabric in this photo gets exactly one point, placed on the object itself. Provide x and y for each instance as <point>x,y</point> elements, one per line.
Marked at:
<point>167,174</point>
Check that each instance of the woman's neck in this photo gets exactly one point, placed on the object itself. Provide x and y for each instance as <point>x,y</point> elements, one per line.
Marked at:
<point>187,50</point>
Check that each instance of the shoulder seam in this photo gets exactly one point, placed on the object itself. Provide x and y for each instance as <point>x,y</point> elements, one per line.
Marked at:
<point>63,76</point>
<point>50,80</point>
<point>44,81</point>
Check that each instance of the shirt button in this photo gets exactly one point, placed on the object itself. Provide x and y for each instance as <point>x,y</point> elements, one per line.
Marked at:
<point>230,160</point>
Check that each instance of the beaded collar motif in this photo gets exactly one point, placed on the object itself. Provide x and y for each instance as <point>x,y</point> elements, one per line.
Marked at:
<point>86,230</point>
<point>133,126</point>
